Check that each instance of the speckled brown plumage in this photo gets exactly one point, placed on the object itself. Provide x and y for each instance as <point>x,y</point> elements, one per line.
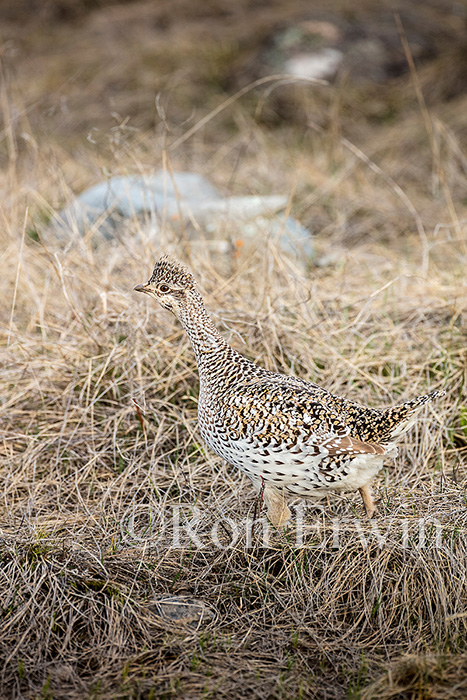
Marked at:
<point>291,437</point>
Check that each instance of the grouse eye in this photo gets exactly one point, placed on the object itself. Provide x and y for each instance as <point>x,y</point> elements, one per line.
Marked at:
<point>164,288</point>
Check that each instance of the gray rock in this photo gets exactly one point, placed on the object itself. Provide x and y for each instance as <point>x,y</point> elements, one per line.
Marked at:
<point>123,197</point>
<point>242,208</point>
<point>182,611</point>
<point>186,194</point>
<point>288,233</point>
<point>314,65</point>
<point>162,199</point>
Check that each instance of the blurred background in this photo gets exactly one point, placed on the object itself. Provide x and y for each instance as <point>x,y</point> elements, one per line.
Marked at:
<point>104,88</point>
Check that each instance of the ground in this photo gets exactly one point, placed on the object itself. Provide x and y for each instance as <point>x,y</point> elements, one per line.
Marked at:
<point>113,514</point>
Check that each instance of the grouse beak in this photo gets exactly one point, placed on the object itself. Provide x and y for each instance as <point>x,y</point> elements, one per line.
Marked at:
<point>142,288</point>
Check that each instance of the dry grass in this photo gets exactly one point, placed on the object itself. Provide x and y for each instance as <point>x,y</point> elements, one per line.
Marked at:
<point>91,484</point>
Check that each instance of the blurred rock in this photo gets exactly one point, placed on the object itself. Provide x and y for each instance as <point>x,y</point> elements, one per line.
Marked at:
<point>306,50</point>
<point>122,197</point>
<point>162,201</point>
<point>182,611</point>
<point>318,65</point>
<point>367,47</point>
<point>161,196</point>
<point>285,232</point>
<point>368,58</point>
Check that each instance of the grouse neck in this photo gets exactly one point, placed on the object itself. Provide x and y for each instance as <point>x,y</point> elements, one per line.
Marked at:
<point>204,336</point>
